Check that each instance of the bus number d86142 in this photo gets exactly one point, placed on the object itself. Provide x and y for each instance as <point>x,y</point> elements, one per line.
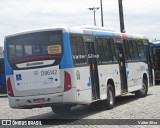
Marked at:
<point>48,72</point>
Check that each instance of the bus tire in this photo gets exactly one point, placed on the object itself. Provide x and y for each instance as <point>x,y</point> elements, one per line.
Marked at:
<point>110,102</point>
<point>61,109</point>
<point>143,92</point>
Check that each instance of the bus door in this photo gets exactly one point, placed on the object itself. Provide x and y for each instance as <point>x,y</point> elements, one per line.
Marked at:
<point>92,61</point>
<point>122,68</point>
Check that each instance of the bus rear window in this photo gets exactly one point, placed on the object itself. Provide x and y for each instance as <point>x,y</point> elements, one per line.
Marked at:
<point>34,47</point>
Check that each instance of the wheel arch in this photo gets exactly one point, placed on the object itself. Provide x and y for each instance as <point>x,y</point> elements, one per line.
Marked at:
<point>111,82</point>
<point>145,77</point>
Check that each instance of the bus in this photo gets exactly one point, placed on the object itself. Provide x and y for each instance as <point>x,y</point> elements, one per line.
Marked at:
<point>3,88</point>
<point>68,66</point>
<point>154,48</point>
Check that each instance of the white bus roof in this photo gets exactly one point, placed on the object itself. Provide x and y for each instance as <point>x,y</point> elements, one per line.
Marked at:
<point>156,42</point>
<point>86,29</point>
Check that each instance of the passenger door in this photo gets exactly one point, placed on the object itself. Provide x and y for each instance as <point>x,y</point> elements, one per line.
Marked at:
<point>122,68</point>
<point>92,61</point>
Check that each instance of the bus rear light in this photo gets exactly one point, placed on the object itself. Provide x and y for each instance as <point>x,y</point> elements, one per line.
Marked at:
<point>9,87</point>
<point>67,81</point>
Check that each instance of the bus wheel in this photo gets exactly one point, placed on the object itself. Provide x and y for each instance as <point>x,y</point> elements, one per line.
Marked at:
<point>61,109</point>
<point>110,97</point>
<point>143,92</point>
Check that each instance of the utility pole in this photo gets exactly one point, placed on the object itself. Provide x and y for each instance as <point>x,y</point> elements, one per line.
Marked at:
<point>94,9</point>
<point>121,16</point>
<point>102,13</point>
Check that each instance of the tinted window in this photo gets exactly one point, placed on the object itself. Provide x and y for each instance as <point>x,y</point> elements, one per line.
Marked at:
<point>100,50</point>
<point>135,50</point>
<point>19,52</point>
<point>127,50</point>
<point>28,50</point>
<point>81,49</point>
<point>35,47</point>
<point>114,57</point>
<point>44,49</point>
<point>131,50</point>
<point>104,50</point>
<point>141,52</point>
<point>107,50</point>
<point>34,44</point>
<point>78,50</point>
<point>12,52</point>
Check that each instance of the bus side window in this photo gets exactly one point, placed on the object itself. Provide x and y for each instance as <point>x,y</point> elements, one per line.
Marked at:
<point>81,50</point>
<point>131,50</point>
<point>100,50</point>
<point>145,44</point>
<point>74,50</point>
<point>127,50</point>
<point>141,51</point>
<point>78,50</point>
<point>114,57</point>
<point>135,50</point>
<point>106,50</point>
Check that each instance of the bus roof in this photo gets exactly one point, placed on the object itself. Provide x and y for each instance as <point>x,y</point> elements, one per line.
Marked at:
<point>103,31</point>
<point>40,30</point>
<point>90,30</point>
<point>156,42</point>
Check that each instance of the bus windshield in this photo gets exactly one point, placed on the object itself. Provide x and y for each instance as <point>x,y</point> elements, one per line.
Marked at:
<point>37,46</point>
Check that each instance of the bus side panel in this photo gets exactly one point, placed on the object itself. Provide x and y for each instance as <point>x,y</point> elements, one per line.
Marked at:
<point>83,84</point>
<point>135,73</point>
<point>132,79</point>
<point>107,72</point>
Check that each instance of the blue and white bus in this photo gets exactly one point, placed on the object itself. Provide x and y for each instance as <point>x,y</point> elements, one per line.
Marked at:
<point>155,60</point>
<point>63,67</point>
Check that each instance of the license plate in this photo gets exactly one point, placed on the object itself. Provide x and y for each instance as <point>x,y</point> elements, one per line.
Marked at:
<point>39,100</point>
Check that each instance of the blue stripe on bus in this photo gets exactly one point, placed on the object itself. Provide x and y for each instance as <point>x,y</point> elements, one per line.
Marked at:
<point>156,44</point>
<point>129,36</point>
<point>67,61</point>
<point>8,69</point>
<point>102,33</point>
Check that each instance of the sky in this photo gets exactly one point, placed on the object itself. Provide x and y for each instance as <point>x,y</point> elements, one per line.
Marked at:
<point>140,16</point>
